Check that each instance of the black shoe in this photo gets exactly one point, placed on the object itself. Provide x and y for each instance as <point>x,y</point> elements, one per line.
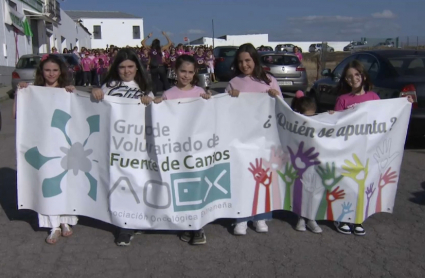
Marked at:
<point>199,237</point>
<point>343,228</point>
<point>358,230</point>
<point>124,238</point>
<point>186,236</point>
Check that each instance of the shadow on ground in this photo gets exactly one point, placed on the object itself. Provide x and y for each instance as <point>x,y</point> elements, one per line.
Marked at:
<point>8,199</point>
<point>419,197</point>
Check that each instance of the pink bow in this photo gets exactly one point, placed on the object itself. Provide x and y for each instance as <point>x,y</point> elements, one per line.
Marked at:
<point>45,56</point>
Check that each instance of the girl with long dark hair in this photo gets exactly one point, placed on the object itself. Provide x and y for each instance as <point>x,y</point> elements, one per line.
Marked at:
<point>156,63</point>
<point>251,77</point>
<point>52,72</point>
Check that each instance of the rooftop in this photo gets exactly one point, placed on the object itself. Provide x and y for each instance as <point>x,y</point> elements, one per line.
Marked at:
<point>75,15</point>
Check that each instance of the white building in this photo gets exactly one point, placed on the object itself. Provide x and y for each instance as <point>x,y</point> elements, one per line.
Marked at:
<point>261,39</point>
<point>32,27</point>
<point>116,28</point>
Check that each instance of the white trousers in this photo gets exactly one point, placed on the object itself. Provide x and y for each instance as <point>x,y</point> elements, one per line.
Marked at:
<point>54,221</point>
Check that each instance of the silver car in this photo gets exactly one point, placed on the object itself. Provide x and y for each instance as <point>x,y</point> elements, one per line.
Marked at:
<point>317,47</point>
<point>27,66</point>
<point>287,69</point>
<point>286,48</point>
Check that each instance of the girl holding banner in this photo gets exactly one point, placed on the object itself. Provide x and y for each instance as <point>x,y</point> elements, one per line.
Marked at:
<point>251,77</point>
<point>185,68</point>
<point>52,72</point>
<point>126,78</point>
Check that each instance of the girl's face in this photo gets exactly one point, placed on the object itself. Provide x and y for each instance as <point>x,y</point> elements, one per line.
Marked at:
<point>185,73</point>
<point>127,70</point>
<point>173,51</point>
<point>353,78</point>
<point>51,73</point>
<point>296,50</point>
<point>245,63</point>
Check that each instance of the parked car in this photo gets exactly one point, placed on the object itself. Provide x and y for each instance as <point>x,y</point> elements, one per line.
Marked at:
<point>354,45</point>
<point>264,48</point>
<point>286,48</point>
<point>27,65</point>
<point>317,47</point>
<point>224,56</point>
<point>287,69</point>
<point>394,73</point>
<point>385,44</point>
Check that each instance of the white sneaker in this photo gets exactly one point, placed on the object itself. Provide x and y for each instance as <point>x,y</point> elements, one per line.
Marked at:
<point>261,226</point>
<point>312,226</point>
<point>300,225</point>
<point>240,229</point>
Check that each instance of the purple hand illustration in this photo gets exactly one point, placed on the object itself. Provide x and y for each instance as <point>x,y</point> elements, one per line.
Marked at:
<point>301,161</point>
<point>369,192</point>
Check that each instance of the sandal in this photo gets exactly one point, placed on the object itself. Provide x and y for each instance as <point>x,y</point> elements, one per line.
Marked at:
<point>66,230</point>
<point>54,236</point>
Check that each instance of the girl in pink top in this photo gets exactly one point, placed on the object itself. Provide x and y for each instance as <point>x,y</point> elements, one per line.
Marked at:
<point>297,53</point>
<point>186,88</point>
<point>209,60</point>
<point>251,78</point>
<point>355,86</point>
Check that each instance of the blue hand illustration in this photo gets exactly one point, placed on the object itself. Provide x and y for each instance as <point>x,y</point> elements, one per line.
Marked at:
<point>346,209</point>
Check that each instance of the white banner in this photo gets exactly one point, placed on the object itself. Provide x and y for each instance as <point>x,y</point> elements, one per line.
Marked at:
<point>184,163</point>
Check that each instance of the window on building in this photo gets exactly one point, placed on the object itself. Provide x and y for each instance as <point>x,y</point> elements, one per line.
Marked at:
<point>136,32</point>
<point>13,5</point>
<point>97,32</point>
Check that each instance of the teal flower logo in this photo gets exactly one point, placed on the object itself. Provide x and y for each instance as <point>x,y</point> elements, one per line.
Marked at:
<point>75,159</point>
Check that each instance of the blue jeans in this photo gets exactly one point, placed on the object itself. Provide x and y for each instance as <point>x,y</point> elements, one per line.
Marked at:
<point>262,216</point>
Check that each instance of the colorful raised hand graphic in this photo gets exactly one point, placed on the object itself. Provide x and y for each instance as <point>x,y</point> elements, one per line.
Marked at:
<point>346,209</point>
<point>261,177</point>
<point>369,193</point>
<point>288,178</point>
<point>357,172</point>
<point>329,180</point>
<point>387,178</point>
<point>331,197</point>
<point>275,163</point>
<point>383,155</point>
<point>301,161</point>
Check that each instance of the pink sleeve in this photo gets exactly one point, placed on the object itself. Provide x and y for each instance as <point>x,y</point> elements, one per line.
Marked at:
<point>339,106</point>
<point>274,84</point>
<point>376,96</point>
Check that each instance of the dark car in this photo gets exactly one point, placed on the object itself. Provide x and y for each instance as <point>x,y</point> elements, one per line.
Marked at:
<point>224,56</point>
<point>287,69</point>
<point>394,73</point>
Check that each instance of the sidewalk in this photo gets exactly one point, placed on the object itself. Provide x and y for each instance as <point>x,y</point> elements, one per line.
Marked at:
<point>4,93</point>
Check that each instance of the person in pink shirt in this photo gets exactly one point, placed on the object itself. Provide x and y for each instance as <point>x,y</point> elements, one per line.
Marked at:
<point>180,50</point>
<point>251,78</point>
<point>355,87</point>
<point>209,61</point>
<point>297,53</point>
<point>87,65</point>
<point>186,88</point>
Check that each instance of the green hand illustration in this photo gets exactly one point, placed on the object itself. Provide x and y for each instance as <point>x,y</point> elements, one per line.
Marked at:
<point>358,173</point>
<point>329,180</point>
<point>288,178</point>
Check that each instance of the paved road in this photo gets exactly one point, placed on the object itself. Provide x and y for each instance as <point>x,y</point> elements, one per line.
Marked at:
<point>393,247</point>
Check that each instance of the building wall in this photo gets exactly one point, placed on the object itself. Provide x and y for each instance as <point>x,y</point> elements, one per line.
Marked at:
<point>118,32</point>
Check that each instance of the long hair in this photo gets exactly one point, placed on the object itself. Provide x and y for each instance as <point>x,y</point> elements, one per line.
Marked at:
<point>344,88</point>
<point>258,73</point>
<point>63,77</point>
<point>156,45</point>
<point>188,58</point>
<point>141,77</point>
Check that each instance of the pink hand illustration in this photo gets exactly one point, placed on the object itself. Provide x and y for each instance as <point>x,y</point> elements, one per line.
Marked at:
<point>331,197</point>
<point>301,161</point>
<point>260,177</point>
<point>275,163</point>
<point>387,178</point>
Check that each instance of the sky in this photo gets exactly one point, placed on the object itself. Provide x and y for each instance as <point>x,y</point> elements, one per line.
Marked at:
<point>283,20</point>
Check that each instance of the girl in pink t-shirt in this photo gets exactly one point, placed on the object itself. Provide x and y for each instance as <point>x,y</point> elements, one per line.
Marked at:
<point>355,86</point>
<point>209,60</point>
<point>186,88</point>
<point>251,78</point>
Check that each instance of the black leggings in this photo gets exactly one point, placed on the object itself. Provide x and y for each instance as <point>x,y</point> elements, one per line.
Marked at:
<point>159,79</point>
